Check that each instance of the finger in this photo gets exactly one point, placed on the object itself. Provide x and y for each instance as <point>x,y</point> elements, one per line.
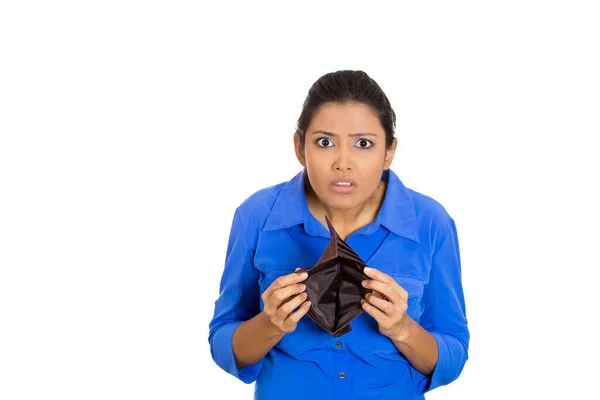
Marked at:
<point>384,289</point>
<point>282,295</point>
<point>295,317</point>
<point>286,309</point>
<point>377,294</point>
<point>383,305</point>
<point>378,275</point>
<point>383,277</point>
<point>374,312</point>
<point>284,281</point>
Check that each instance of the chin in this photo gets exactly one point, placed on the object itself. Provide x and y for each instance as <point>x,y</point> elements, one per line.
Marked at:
<point>346,203</point>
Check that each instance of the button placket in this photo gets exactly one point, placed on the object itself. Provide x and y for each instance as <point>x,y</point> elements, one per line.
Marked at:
<point>342,369</point>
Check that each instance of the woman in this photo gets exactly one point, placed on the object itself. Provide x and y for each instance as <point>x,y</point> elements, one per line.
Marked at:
<point>412,335</point>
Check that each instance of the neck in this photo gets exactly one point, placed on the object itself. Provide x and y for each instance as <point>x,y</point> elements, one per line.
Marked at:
<point>346,221</point>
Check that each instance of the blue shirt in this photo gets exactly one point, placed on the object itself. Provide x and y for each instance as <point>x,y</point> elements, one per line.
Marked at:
<point>412,239</point>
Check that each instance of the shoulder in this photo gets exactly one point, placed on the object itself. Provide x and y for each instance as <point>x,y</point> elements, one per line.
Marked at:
<point>411,204</point>
<point>261,201</point>
<point>431,214</point>
<point>255,209</point>
<point>427,207</point>
<point>257,205</point>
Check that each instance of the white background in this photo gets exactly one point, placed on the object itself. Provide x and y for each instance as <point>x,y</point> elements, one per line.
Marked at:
<point>130,132</point>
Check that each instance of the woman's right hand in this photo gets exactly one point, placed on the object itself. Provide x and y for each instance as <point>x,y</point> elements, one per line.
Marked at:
<point>282,298</point>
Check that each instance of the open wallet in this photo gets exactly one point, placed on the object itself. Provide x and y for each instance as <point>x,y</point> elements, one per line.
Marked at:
<point>334,286</point>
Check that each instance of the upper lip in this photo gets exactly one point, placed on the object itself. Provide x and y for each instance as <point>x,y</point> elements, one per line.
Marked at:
<point>334,181</point>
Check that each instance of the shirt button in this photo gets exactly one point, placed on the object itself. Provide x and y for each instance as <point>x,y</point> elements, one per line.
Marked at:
<point>342,375</point>
<point>338,345</point>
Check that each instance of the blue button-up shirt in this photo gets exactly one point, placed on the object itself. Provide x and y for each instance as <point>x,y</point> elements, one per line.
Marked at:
<point>412,239</point>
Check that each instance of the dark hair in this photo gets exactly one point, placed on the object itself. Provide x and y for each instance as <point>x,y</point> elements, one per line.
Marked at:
<point>343,87</point>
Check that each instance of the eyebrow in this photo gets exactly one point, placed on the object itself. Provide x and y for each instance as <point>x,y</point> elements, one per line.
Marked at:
<point>350,134</point>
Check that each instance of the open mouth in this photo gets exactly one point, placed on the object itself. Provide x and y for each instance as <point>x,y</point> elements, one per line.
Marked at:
<point>343,186</point>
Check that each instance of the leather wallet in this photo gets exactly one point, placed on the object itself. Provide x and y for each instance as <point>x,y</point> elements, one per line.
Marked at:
<point>334,286</point>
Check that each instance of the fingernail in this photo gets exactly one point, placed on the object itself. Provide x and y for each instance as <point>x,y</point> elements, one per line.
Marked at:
<point>364,283</point>
<point>302,286</point>
<point>304,275</point>
<point>367,269</point>
<point>304,294</point>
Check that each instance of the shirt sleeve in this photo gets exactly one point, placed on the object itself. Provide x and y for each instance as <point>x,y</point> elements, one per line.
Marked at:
<point>444,314</point>
<point>238,301</point>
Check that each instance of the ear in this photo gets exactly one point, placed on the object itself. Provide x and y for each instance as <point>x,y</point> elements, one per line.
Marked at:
<point>389,154</point>
<point>299,148</point>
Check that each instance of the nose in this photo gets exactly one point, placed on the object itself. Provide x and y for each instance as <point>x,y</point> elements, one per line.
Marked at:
<point>343,160</point>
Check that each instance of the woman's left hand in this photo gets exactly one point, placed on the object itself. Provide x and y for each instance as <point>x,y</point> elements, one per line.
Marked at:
<point>387,303</point>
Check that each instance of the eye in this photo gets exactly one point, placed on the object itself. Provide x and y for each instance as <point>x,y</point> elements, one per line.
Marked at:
<point>324,142</point>
<point>364,143</point>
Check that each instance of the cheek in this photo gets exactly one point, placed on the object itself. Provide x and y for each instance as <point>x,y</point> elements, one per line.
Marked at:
<point>319,185</point>
<point>316,167</point>
<point>371,159</point>
<point>316,158</point>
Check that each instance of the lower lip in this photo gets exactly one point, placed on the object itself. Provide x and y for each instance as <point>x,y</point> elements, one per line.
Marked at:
<point>343,189</point>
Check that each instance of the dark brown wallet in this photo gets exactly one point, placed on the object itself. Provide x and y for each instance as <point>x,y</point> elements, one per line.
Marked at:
<point>334,286</point>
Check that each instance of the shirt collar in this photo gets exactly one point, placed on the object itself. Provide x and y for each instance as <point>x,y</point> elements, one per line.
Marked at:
<point>397,213</point>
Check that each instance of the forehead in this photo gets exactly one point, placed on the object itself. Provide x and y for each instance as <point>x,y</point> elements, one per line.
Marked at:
<point>346,118</point>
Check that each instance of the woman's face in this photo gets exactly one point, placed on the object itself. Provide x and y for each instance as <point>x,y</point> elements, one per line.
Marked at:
<point>344,154</point>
